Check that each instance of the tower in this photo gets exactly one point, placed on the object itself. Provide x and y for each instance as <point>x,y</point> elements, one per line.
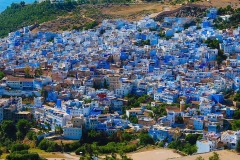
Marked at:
<point>182,105</point>
<point>227,61</point>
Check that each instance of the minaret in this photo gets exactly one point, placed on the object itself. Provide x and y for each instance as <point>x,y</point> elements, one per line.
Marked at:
<point>227,62</point>
<point>182,105</point>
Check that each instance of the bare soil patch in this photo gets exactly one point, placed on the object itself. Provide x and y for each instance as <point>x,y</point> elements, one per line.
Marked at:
<point>158,154</point>
<point>223,154</point>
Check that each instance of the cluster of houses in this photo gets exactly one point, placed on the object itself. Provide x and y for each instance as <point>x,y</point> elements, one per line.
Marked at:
<point>79,78</point>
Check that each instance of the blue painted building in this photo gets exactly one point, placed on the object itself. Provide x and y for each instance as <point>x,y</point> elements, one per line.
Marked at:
<point>103,64</point>
<point>217,98</point>
<point>198,123</point>
<point>27,85</point>
<point>159,133</point>
<point>212,13</point>
<point>123,56</point>
<point>229,112</point>
<point>213,128</point>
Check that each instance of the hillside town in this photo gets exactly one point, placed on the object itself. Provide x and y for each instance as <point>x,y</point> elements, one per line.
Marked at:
<point>83,80</point>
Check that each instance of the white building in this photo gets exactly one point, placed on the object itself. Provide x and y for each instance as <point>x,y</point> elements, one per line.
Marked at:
<point>75,108</point>
<point>172,113</point>
<point>205,106</point>
<point>3,104</point>
<point>53,116</point>
<point>219,85</point>
<point>70,132</point>
<point>134,112</point>
<point>73,130</point>
<point>38,101</point>
<point>123,90</point>
<point>205,146</point>
<point>230,138</point>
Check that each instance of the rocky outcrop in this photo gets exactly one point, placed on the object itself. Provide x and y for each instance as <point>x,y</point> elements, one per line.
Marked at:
<point>189,10</point>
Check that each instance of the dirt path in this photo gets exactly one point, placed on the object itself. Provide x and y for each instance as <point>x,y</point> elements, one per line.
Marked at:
<point>66,156</point>
<point>158,154</point>
<point>223,154</point>
<point>221,3</point>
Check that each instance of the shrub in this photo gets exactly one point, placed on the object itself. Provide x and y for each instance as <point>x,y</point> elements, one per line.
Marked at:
<point>19,147</point>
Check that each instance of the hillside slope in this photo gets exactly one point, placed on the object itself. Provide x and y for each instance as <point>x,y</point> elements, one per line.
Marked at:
<point>17,16</point>
<point>70,15</point>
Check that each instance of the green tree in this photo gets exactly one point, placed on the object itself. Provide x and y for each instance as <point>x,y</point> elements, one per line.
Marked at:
<point>150,114</point>
<point>89,149</point>
<point>236,114</point>
<point>20,155</point>
<point>192,138</point>
<point>27,71</point>
<point>179,120</point>
<point>9,129</point>
<point>145,139</point>
<point>215,156</point>
<point>90,25</point>
<point>177,144</point>
<point>38,72</point>
<point>19,147</point>
<point>214,44</point>
<point>44,94</point>
<point>49,146</point>
<point>58,130</point>
<point>127,136</point>
<point>95,85</point>
<point>236,125</point>
<point>133,119</point>
<point>2,75</point>
<point>238,146</point>
<point>105,84</point>
<point>161,144</point>
<point>189,149</point>
<point>237,97</point>
<point>22,3</point>
<point>16,15</point>
<point>23,126</point>
<point>32,135</point>
<point>146,42</point>
<point>1,152</point>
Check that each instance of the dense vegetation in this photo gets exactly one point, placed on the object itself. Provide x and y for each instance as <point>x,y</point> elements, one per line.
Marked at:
<point>102,1</point>
<point>174,2</point>
<point>236,114</point>
<point>183,146</point>
<point>2,75</point>
<point>24,154</point>
<point>237,96</point>
<point>134,101</point>
<point>188,145</point>
<point>49,146</point>
<point>12,134</point>
<point>17,15</point>
<point>145,139</point>
<point>20,152</point>
<point>94,143</point>
<point>236,125</point>
<point>234,19</point>
<point>238,146</point>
